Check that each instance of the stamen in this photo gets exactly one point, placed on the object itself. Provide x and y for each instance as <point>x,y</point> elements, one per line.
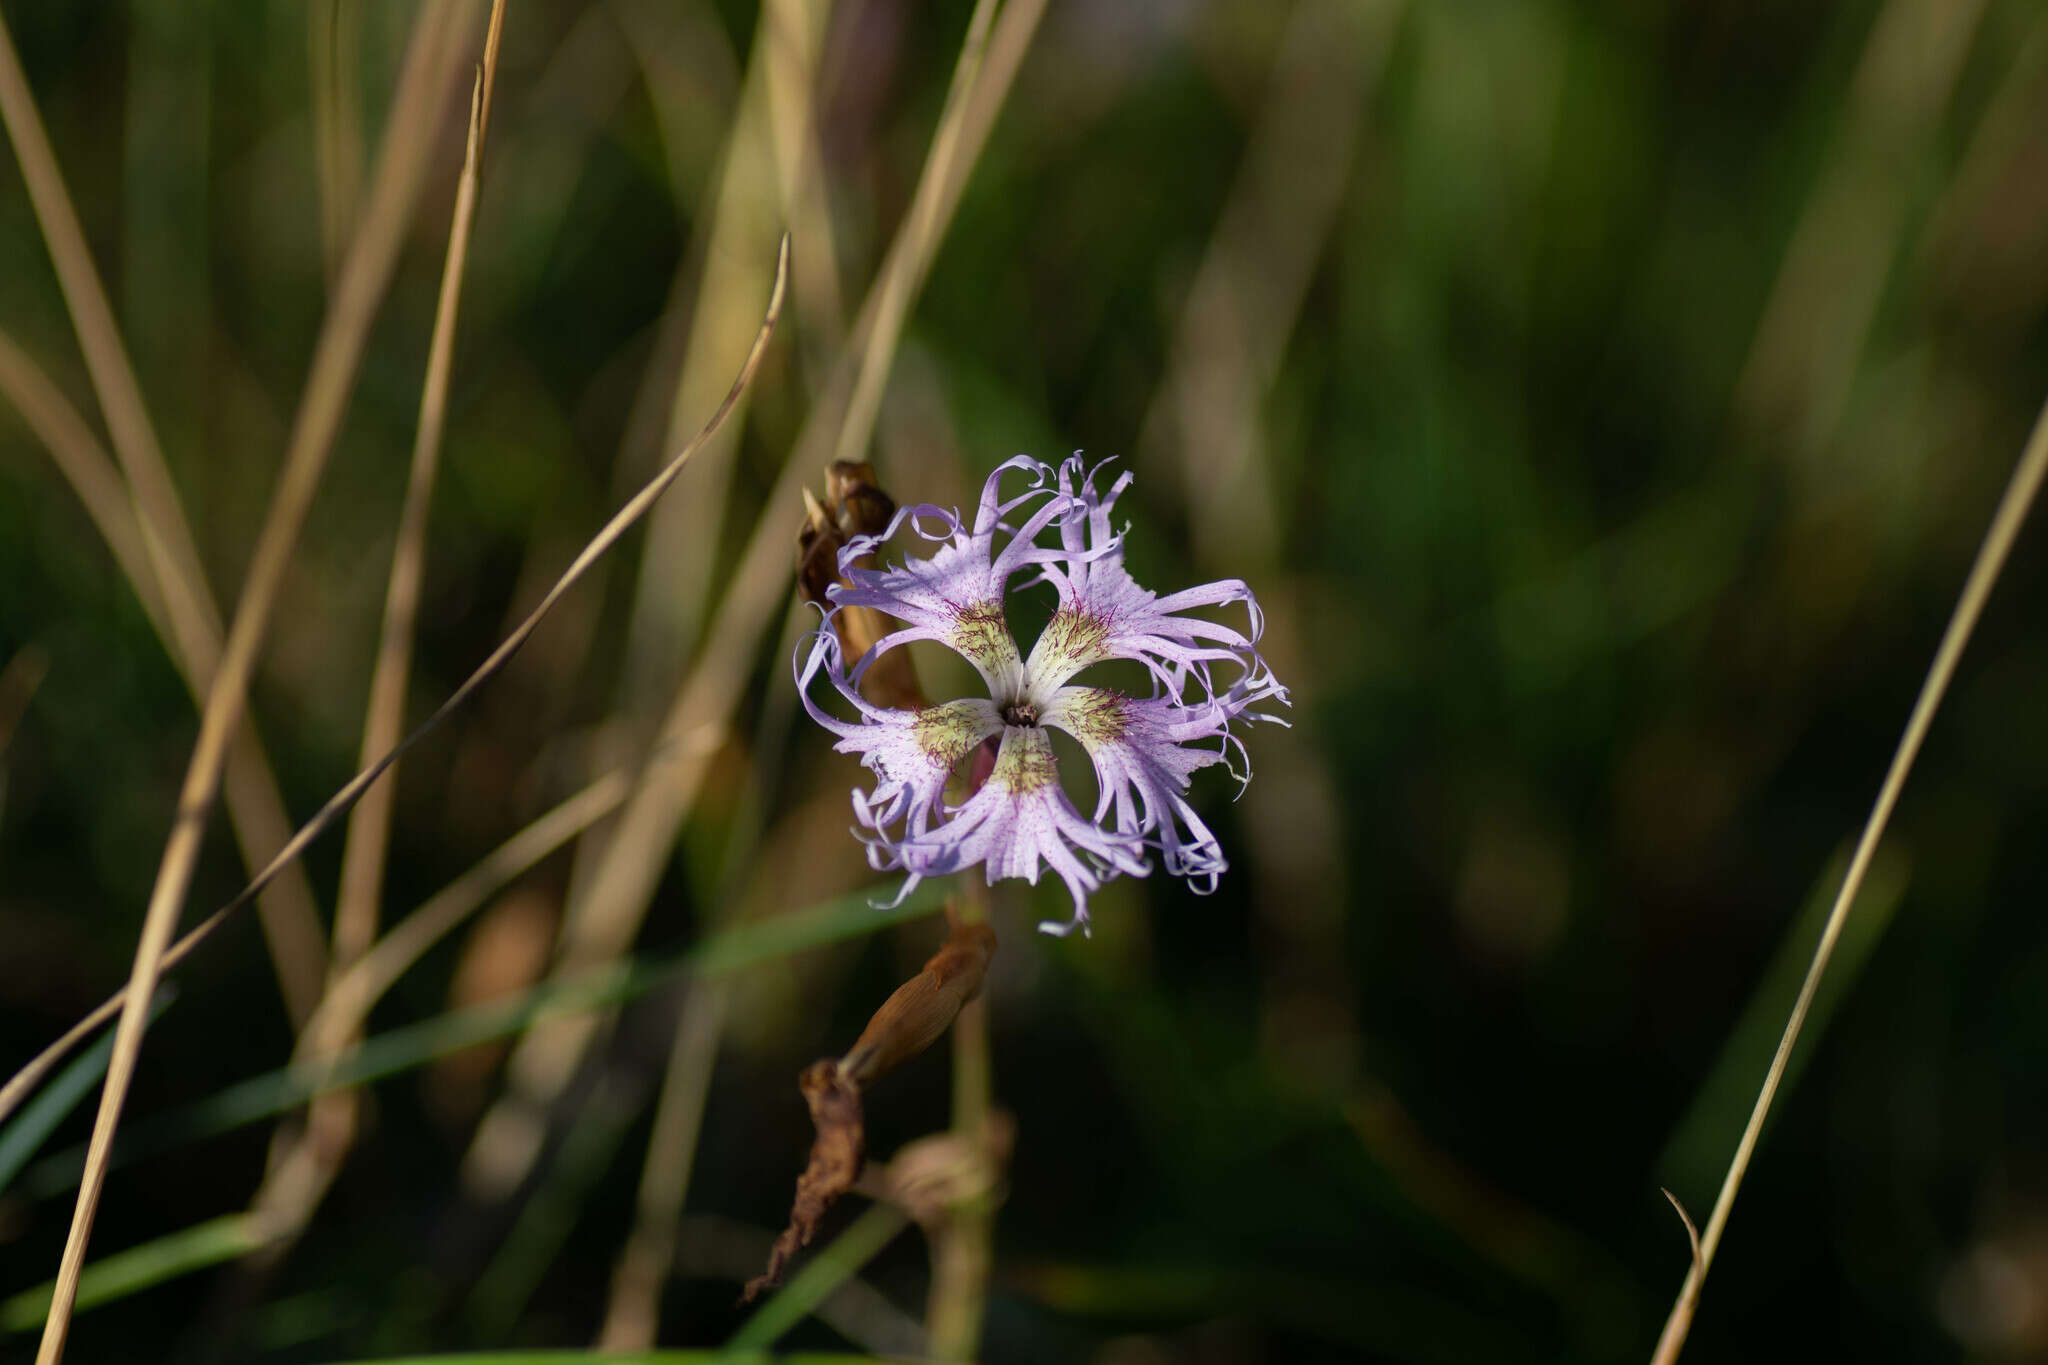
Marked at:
<point>1020,713</point>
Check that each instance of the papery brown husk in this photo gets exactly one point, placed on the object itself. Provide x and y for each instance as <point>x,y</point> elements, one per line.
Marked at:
<point>914,1016</point>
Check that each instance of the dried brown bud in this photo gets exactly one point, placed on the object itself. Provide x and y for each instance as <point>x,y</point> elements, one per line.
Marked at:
<point>854,506</point>
<point>924,1006</point>
<point>863,508</point>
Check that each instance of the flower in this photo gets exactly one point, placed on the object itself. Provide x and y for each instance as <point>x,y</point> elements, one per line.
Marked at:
<point>1206,677</point>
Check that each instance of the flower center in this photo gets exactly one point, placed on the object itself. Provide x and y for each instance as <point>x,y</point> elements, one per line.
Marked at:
<point>1020,713</point>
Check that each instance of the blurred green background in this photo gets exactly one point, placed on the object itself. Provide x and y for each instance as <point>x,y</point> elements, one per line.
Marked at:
<point>1605,401</point>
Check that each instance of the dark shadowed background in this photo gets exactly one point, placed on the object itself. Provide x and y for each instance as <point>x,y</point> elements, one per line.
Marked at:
<point>1605,401</point>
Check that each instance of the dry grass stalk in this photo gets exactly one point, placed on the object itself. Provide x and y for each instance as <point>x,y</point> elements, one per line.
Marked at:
<point>959,1214</point>
<point>678,569</point>
<point>248,789</point>
<point>355,992</point>
<point>797,38</point>
<point>2012,509</point>
<point>305,1160</point>
<point>19,679</point>
<point>362,867</point>
<point>1205,427</point>
<point>901,279</point>
<point>363,278</point>
<point>333,51</point>
<point>602,922</point>
<point>25,1081</point>
<point>1248,294</point>
<point>1809,342</point>
<point>632,1316</point>
<point>167,572</point>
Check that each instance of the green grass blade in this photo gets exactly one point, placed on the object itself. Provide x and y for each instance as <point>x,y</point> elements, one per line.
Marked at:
<point>629,1358</point>
<point>139,1268</point>
<point>402,1049</point>
<point>33,1126</point>
<point>837,1263</point>
<point>1697,1151</point>
<point>531,1246</point>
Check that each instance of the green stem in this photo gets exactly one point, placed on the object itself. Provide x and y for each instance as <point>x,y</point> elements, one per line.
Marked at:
<point>963,1244</point>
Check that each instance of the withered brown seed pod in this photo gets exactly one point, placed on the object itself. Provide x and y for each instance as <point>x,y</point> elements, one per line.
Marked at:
<point>854,505</point>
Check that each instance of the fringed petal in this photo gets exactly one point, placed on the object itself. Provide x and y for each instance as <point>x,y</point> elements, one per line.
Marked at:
<point>1021,822</point>
<point>1144,750</point>
<point>1103,614</point>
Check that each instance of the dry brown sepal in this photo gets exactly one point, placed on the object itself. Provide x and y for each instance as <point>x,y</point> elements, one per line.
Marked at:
<point>854,505</point>
<point>837,1154</point>
<point>909,1021</point>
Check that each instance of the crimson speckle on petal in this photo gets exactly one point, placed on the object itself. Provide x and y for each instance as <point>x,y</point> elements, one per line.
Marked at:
<point>1207,677</point>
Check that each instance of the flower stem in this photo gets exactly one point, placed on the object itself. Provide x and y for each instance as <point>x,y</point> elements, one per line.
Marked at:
<point>963,1243</point>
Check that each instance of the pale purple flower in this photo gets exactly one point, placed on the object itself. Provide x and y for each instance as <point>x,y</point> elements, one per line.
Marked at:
<point>1206,677</point>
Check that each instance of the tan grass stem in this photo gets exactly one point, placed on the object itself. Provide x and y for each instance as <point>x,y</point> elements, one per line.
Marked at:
<point>248,788</point>
<point>797,29</point>
<point>903,275</point>
<point>355,992</point>
<point>364,852</point>
<point>333,48</point>
<point>963,1243</point>
<point>19,679</point>
<point>678,576</point>
<point>1797,377</point>
<point>602,923</point>
<point>1991,556</point>
<point>772,126</point>
<point>91,473</point>
<point>371,256</point>
<point>24,1081</point>
<point>352,995</point>
<point>305,1159</point>
<point>632,1314</point>
<point>290,920</point>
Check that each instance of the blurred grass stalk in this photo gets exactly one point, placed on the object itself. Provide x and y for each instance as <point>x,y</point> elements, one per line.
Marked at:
<point>1207,418</point>
<point>372,255</point>
<point>412,1046</point>
<point>305,1159</point>
<point>768,161</point>
<point>1713,1120</point>
<point>334,30</point>
<point>963,1242</point>
<point>602,923</point>
<point>632,1316</point>
<point>19,678</point>
<point>1797,379</point>
<point>2011,512</point>
<point>144,524</point>
<point>679,569</point>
